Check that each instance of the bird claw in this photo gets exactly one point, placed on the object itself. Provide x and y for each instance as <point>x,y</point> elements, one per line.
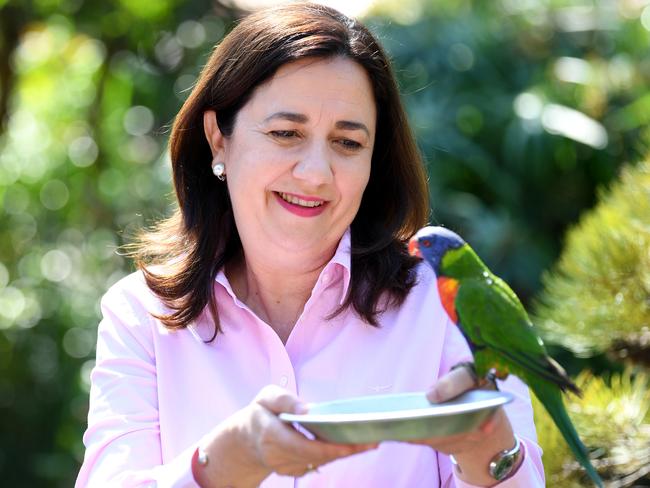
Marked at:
<point>490,380</point>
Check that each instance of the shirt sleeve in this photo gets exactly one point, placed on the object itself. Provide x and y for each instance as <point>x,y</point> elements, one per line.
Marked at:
<point>123,436</point>
<point>530,473</point>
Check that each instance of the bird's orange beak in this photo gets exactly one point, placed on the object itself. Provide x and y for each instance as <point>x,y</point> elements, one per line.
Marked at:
<point>414,247</point>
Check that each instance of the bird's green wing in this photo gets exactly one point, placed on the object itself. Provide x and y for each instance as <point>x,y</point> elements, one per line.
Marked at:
<point>491,316</point>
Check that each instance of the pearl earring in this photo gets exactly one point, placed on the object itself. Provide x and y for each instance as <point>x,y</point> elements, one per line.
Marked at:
<point>219,171</point>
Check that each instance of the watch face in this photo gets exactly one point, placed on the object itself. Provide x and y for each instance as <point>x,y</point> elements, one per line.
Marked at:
<point>501,468</point>
<point>503,463</point>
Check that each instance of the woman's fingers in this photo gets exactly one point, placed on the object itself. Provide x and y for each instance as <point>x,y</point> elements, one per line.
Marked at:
<point>459,380</point>
<point>296,444</point>
<point>318,453</point>
<point>286,451</point>
<point>462,442</point>
<point>282,448</point>
<point>278,400</point>
<point>451,385</point>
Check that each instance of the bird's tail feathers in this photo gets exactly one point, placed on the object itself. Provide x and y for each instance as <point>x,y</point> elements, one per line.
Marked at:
<point>551,398</point>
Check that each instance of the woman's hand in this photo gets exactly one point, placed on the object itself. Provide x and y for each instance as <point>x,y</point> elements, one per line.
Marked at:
<point>253,443</point>
<point>473,450</point>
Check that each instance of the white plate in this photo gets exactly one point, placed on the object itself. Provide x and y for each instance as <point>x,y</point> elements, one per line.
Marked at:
<point>403,416</point>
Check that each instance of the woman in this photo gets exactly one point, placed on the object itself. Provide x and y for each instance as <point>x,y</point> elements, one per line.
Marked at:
<point>283,278</point>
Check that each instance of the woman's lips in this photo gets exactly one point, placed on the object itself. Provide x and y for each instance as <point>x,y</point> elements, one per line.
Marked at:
<point>301,205</point>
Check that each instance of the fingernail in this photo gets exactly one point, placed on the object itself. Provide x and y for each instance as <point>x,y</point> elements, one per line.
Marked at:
<point>300,408</point>
<point>433,396</point>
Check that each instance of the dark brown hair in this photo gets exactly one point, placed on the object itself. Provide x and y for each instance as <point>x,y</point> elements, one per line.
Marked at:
<point>182,256</point>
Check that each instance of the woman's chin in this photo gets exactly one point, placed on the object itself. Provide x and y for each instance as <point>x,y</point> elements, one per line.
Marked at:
<point>297,241</point>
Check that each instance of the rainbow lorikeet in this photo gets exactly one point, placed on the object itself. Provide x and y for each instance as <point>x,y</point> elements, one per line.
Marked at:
<point>497,327</point>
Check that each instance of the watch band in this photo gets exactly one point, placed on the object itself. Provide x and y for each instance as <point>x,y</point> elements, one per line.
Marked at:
<point>502,465</point>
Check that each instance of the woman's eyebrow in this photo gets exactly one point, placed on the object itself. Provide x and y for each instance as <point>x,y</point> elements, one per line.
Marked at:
<point>350,125</point>
<point>303,119</point>
<point>290,116</point>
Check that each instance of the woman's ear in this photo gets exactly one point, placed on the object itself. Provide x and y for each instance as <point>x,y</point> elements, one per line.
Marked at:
<point>213,134</point>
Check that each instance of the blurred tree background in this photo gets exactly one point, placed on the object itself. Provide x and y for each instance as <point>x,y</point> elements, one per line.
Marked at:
<point>522,108</point>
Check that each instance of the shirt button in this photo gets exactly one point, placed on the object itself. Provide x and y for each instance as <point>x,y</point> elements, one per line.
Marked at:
<point>284,380</point>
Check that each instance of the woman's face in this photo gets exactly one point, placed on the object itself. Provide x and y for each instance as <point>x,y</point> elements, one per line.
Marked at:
<point>298,159</point>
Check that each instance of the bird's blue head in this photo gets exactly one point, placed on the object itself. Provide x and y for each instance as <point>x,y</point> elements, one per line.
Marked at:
<point>431,243</point>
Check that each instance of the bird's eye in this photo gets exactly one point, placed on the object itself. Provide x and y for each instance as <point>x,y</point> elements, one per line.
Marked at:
<point>426,243</point>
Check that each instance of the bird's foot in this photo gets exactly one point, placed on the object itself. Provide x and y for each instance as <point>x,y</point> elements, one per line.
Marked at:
<point>490,381</point>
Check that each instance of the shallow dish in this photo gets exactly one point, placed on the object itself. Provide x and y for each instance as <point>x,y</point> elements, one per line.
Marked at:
<point>403,416</point>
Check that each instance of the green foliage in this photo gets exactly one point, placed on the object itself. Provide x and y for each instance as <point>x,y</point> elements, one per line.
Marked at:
<point>597,298</point>
<point>521,109</point>
<point>82,163</point>
<point>613,418</point>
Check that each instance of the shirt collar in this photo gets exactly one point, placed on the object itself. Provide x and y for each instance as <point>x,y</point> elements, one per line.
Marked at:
<point>342,258</point>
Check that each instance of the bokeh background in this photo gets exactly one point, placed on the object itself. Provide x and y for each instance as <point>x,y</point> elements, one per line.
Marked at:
<point>532,116</point>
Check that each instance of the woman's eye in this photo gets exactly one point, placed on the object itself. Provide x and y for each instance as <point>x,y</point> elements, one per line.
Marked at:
<point>283,134</point>
<point>349,144</point>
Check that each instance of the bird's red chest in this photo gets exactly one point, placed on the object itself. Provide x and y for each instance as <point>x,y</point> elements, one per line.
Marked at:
<point>448,288</point>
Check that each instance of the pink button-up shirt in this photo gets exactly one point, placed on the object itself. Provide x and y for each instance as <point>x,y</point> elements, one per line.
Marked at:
<point>155,393</point>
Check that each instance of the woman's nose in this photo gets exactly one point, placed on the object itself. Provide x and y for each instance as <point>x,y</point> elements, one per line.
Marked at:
<point>315,165</point>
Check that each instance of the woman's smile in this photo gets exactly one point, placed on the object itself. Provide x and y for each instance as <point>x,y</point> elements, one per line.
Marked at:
<point>301,205</point>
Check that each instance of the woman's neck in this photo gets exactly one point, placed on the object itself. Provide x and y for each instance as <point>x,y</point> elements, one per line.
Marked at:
<point>275,293</point>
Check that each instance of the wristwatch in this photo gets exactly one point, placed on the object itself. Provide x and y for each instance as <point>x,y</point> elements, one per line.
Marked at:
<point>502,464</point>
